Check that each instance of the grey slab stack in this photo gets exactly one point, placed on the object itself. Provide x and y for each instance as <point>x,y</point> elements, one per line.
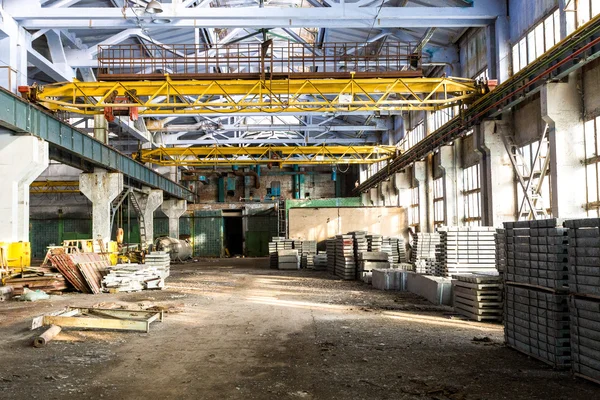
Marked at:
<point>331,245</point>
<point>159,260</point>
<point>375,242</point>
<point>478,297</point>
<point>368,261</point>
<point>436,289</point>
<point>466,250</point>
<point>402,254</point>
<point>536,311</point>
<point>584,285</point>
<point>277,243</point>
<point>288,259</point>
<point>320,261</point>
<point>423,255</point>
<point>345,262</point>
<point>307,249</point>
<point>360,243</point>
<point>500,241</point>
<point>387,247</point>
<point>537,253</point>
<point>536,323</point>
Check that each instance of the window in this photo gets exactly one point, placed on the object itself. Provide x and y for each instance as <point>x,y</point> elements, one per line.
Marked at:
<point>413,210</point>
<point>439,214</point>
<point>585,11</point>
<point>471,191</point>
<point>441,117</point>
<point>592,166</point>
<point>540,180</point>
<point>483,75</point>
<point>536,42</point>
<point>413,136</point>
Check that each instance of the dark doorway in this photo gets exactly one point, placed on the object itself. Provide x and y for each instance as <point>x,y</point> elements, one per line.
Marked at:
<point>233,233</point>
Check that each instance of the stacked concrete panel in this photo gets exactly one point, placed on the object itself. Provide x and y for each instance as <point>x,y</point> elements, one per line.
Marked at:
<point>537,323</point>
<point>584,285</point>
<point>288,259</point>
<point>536,299</point>
<point>277,243</point>
<point>375,242</point>
<point>500,241</point>
<point>466,250</point>
<point>345,262</point>
<point>368,261</point>
<point>320,261</point>
<point>537,253</point>
<point>331,255</point>
<point>307,249</point>
<point>390,279</point>
<point>361,244</point>
<point>423,255</point>
<point>478,297</point>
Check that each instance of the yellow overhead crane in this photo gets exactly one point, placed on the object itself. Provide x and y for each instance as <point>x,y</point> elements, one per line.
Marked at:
<point>269,155</point>
<point>194,97</point>
<point>48,186</point>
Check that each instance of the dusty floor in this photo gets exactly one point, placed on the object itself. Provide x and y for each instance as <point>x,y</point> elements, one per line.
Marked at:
<point>243,331</point>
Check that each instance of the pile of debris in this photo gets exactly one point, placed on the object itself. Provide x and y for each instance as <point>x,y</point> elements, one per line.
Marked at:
<point>136,277</point>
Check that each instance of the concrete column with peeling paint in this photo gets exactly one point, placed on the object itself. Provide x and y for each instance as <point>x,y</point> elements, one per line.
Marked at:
<point>420,176</point>
<point>149,201</point>
<point>452,196</point>
<point>374,195</point>
<point>498,188</point>
<point>101,188</point>
<point>365,199</point>
<point>174,209</point>
<point>562,110</point>
<point>22,159</point>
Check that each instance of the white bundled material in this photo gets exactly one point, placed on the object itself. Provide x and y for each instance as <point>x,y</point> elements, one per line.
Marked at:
<point>133,277</point>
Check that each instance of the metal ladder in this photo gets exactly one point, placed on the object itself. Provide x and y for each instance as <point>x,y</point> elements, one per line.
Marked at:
<point>142,223</point>
<point>281,218</point>
<point>531,182</point>
<point>116,203</point>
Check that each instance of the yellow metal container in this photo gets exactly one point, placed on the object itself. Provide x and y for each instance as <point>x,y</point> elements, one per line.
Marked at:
<point>18,254</point>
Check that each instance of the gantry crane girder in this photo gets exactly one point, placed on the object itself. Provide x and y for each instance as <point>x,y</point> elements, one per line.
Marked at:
<point>175,97</point>
<point>46,187</point>
<point>270,155</point>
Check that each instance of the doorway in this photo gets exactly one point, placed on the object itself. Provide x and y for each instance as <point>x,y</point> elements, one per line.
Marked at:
<point>233,235</point>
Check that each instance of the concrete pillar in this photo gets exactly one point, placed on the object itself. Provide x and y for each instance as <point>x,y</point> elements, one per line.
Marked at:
<point>374,195</point>
<point>498,189</point>
<point>174,209</point>
<point>365,199</point>
<point>562,110</point>
<point>449,157</point>
<point>101,128</point>
<point>149,201</point>
<point>13,54</point>
<point>22,159</point>
<point>403,184</point>
<point>101,188</point>
<point>420,176</point>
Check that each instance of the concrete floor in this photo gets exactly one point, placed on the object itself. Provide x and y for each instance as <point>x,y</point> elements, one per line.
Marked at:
<point>239,330</point>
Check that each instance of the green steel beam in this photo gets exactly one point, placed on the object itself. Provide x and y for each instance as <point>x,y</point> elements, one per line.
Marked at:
<point>78,149</point>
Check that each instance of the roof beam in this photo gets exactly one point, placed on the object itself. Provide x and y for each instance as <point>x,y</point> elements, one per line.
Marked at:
<point>481,14</point>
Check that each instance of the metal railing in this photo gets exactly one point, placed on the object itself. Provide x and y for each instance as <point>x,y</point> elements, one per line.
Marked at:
<point>258,61</point>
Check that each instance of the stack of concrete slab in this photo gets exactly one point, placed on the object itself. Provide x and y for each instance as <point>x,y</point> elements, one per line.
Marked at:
<point>288,259</point>
<point>360,243</point>
<point>277,243</point>
<point>320,261</point>
<point>345,262</point>
<point>331,245</point>
<point>307,249</point>
<point>375,242</point>
<point>466,250</point>
<point>536,323</point>
<point>536,311</point>
<point>584,285</point>
<point>436,289</point>
<point>500,240</point>
<point>160,260</point>
<point>478,297</point>
<point>423,255</point>
<point>537,253</point>
<point>395,247</point>
<point>368,261</point>
<point>390,279</point>
<point>132,278</point>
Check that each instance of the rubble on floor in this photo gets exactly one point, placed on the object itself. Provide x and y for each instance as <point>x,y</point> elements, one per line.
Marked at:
<point>136,277</point>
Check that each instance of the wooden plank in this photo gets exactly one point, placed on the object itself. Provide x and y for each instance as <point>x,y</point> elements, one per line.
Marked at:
<point>97,323</point>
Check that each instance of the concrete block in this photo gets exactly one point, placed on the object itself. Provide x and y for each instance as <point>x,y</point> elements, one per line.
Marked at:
<point>390,279</point>
<point>436,289</point>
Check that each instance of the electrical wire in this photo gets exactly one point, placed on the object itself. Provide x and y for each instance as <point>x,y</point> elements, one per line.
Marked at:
<point>375,20</point>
